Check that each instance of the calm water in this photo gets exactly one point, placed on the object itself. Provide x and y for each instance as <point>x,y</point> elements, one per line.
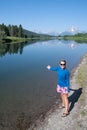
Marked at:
<point>27,88</point>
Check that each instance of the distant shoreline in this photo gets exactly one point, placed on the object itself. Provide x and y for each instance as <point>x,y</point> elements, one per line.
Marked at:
<point>13,40</point>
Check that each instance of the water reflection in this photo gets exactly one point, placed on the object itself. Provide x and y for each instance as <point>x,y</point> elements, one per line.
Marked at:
<point>11,49</point>
<point>70,44</point>
<point>15,48</point>
<point>27,89</point>
<point>18,47</point>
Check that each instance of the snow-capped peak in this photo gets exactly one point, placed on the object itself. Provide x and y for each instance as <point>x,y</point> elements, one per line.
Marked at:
<point>73,29</point>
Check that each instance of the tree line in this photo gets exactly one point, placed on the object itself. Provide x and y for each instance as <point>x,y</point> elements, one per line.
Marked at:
<point>11,30</point>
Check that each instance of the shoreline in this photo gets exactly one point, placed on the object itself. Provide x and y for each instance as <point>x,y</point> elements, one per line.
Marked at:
<point>47,121</point>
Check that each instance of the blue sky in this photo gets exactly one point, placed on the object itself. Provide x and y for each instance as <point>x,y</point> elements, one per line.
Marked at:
<point>45,15</point>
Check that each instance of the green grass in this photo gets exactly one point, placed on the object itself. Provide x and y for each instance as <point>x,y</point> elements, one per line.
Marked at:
<point>79,39</point>
<point>10,39</point>
<point>81,77</point>
<point>17,39</point>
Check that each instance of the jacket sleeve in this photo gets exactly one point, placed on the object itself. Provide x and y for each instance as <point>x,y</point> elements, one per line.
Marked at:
<point>54,68</point>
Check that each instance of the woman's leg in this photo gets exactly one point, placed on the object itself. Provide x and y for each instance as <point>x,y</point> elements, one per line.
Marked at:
<point>66,102</point>
<point>63,100</point>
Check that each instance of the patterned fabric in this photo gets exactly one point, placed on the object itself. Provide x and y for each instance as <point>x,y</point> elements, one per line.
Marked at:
<point>63,90</point>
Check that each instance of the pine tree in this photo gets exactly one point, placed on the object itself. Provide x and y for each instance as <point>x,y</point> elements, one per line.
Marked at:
<point>20,31</point>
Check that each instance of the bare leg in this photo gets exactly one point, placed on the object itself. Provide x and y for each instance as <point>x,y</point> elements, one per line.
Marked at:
<point>66,102</point>
<point>63,100</point>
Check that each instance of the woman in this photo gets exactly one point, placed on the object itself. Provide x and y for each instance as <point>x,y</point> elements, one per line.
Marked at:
<point>63,84</point>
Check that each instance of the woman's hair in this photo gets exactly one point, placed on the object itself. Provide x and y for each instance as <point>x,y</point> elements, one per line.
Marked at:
<point>62,61</point>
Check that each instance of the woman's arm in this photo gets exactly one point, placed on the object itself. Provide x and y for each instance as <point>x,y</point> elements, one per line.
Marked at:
<point>52,68</point>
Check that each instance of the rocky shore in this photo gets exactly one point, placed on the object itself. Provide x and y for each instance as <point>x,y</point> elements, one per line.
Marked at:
<point>77,119</point>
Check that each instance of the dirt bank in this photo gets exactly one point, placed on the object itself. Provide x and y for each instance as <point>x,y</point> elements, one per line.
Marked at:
<point>77,119</point>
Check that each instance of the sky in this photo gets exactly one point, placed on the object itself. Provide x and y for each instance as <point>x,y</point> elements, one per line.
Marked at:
<point>45,15</point>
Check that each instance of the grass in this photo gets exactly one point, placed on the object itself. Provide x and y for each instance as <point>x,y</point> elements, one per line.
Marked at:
<point>17,39</point>
<point>81,78</point>
<point>79,39</point>
<point>82,74</point>
<point>10,39</point>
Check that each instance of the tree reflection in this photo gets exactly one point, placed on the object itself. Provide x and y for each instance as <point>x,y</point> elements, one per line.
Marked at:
<point>14,48</point>
<point>11,48</point>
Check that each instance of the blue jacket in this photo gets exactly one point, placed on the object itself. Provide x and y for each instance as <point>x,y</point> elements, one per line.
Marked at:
<point>63,77</point>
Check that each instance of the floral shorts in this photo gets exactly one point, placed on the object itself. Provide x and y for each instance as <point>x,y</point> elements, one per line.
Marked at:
<point>63,90</point>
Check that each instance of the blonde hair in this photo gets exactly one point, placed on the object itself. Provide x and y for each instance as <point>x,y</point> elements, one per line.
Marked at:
<point>62,61</point>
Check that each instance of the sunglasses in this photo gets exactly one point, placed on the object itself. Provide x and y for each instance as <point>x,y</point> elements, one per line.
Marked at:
<point>62,64</point>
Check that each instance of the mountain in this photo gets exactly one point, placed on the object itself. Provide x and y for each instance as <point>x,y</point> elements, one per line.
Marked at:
<point>33,34</point>
<point>72,31</point>
<point>53,33</point>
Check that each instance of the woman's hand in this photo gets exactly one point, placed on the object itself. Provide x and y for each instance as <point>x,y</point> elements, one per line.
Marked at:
<point>48,67</point>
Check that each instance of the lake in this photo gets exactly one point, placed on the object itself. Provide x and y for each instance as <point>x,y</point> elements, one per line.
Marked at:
<point>27,88</point>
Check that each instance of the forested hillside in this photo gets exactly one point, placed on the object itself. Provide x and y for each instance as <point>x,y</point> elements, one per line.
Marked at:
<point>17,31</point>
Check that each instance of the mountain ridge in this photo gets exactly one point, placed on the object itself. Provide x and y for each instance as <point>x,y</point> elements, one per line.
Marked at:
<point>34,34</point>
